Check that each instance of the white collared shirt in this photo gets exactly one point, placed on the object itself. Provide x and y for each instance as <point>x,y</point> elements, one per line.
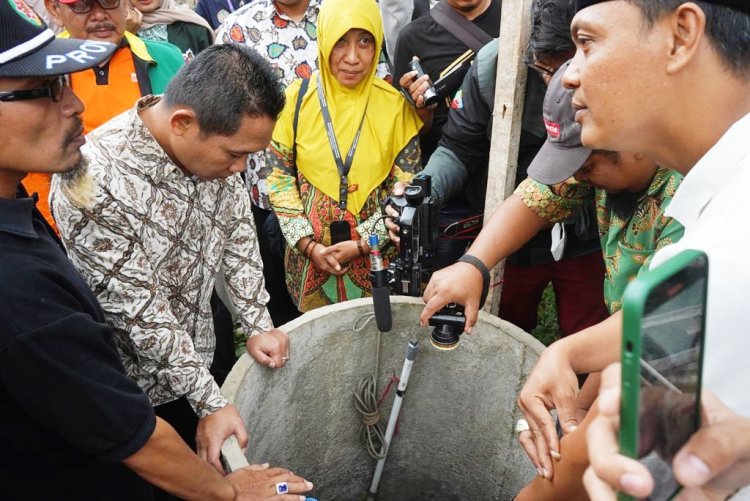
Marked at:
<point>713,204</point>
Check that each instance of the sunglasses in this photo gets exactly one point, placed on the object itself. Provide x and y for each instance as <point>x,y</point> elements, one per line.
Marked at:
<point>85,6</point>
<point>54,89</point>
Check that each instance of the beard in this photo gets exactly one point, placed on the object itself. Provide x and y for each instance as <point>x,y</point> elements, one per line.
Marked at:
<point>77,184</point>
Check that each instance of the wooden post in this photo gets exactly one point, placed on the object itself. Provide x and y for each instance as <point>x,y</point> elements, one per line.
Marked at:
<point>515,27</point>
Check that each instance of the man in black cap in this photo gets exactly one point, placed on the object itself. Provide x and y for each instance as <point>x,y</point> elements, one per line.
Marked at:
<point>72,425</point>
<point>671,79</point>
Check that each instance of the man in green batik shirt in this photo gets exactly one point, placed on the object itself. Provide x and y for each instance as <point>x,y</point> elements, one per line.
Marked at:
<point>631,193</point>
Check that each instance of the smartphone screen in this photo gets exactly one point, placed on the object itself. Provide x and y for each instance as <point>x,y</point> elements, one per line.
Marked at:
<point>668,361</point>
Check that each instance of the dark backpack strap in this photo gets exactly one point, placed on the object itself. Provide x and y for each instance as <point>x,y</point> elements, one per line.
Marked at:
<point>457,25</point>
<point>300,96</point>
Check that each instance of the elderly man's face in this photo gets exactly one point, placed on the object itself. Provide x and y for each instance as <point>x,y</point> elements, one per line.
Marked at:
<point>40,135</point>
<point>102,25</point>
<point>618,74</point>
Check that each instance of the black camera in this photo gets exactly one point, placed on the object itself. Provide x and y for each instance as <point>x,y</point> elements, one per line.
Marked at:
<point>412,268</point>
<point>417,229</point>
<point>430,96</point>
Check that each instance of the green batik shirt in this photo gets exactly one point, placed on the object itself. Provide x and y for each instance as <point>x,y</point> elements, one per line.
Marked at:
<point>627,245</point>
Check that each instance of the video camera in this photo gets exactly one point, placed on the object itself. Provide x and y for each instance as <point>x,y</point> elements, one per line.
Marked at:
<point>412,268</point>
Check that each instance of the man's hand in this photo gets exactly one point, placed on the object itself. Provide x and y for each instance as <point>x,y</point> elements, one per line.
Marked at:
<point>133,19</point>
<point>256,482</point>
<point>712,465</point>
<point>270,348</point>
<point>214,429</point>
<point>459,283</point>
<point>526,438</point>
<point>416,87</point>
<point>552,384</point>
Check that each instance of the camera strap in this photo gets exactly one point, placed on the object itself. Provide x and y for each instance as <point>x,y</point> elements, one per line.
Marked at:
<point>457,25</point>
<point>342,166</point>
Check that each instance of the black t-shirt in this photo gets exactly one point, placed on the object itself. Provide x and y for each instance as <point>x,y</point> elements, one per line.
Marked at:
<point>467,135</point>
<point>68,413</point>
<point>437,48</point>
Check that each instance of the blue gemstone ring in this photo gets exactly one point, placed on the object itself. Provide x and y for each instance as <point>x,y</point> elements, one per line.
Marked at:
<point>282,488</point>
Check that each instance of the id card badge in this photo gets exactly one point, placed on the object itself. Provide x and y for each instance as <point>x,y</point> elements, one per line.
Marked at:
<point>341,231</point>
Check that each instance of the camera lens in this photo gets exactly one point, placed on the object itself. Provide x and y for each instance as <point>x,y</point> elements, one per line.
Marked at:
<point>430,97</point>
<point>445,337</point>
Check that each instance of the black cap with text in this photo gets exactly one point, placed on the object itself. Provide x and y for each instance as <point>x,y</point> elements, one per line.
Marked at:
<point>28,48</point>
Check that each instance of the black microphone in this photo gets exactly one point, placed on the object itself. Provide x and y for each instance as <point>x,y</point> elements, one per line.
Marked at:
<point>381,298</point>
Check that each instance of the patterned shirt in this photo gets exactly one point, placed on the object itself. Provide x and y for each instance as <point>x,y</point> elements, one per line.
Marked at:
<point>627,244</point>
<point>149,241</point>
<point>291,48</point>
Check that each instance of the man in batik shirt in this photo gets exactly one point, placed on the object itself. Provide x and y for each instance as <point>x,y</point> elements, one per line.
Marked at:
<point>159,211</point>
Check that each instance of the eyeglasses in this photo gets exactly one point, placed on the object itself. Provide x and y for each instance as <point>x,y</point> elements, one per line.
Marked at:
<point>543,70</point>
<point>54,89</point>
<point>85,6</point>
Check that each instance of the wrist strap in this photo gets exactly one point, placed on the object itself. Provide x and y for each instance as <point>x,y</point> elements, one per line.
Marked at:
<point>478,264</point>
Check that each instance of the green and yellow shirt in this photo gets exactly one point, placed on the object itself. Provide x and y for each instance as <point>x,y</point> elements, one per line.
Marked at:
<point>627,244</point>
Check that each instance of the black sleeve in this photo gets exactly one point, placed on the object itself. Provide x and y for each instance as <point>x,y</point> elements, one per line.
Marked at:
<point>466,131</point>
<point>61,368</point>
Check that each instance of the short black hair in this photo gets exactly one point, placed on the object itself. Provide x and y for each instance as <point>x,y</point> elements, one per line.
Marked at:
<point>223,85</point>
<point>728,29</point>
<point>550,29</point>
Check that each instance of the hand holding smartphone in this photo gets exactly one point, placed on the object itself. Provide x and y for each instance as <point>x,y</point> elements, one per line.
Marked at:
<point>662,352</point>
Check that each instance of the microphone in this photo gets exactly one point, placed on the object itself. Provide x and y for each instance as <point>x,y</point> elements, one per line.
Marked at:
<point>381,298</point>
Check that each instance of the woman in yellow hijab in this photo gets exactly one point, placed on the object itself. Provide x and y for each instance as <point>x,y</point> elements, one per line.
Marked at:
<point>355,137</point>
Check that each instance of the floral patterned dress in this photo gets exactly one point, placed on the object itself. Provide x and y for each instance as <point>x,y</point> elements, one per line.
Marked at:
<point>303,210</point>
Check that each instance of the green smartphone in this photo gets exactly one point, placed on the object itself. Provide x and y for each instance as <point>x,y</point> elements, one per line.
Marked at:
<point>664,312</point>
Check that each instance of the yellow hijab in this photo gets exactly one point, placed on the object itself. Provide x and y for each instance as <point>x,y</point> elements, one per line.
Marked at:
<point>389,120</point>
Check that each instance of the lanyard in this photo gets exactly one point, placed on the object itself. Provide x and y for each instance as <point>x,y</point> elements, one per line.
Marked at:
<point>343,167</point>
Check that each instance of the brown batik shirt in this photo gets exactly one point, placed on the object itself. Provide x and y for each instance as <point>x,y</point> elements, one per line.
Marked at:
<point>149,241</point>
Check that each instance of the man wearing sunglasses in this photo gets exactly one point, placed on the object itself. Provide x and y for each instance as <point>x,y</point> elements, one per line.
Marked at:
<point>72,424</point>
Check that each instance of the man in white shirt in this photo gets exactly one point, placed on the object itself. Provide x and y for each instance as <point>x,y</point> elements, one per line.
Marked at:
<point>671,80</point>
<point>681,95</point>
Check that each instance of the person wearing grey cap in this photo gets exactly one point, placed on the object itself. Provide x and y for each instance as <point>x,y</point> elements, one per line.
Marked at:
<point>72,424</point>
<point>681,94</point>
<point>630,193</point>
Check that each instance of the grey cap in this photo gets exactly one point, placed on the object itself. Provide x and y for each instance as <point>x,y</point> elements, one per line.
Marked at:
<point>562,153</point>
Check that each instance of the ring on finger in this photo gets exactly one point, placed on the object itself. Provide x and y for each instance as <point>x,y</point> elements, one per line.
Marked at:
<point>522,425</point>
<point>282,488</point>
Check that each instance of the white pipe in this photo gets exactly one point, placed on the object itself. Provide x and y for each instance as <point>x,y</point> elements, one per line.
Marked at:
<point>411,354</point>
